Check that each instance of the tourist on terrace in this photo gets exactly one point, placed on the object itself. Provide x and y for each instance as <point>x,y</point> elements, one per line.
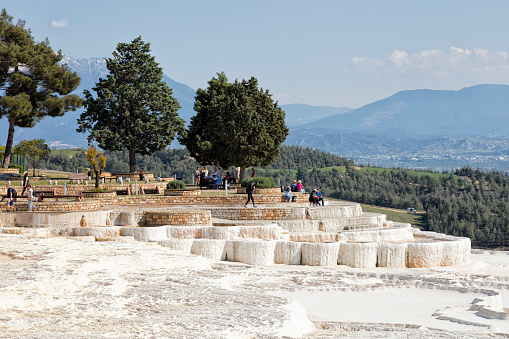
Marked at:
<point>30,198</point>
<point>313,198</point>
<point>142,177</point>
<point>299,187</point>
<point>218,182</point>
<point>26,181</point>
<point>293,186</point>
<point>197,176</point>
<point>288,194</point>
<point>10,197</point>
<point>319,196</point>
<point>249,190</point>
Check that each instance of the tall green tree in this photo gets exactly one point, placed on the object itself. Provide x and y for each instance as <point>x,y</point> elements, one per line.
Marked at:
<point>236,124</point>
<point>133,108</point>
<point>33,84</point>
<point>34,150</point>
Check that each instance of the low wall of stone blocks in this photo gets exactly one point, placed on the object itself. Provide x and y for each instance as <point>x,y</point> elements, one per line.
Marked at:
<point>178,218</point>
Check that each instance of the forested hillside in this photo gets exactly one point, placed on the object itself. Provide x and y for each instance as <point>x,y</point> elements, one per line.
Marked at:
<point>465,202</point>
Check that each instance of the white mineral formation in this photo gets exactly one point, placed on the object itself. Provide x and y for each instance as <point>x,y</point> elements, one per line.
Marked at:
<point>391,255</point>
<point>182,245</point>
<point>147,234</point>
<point>28,232</point>
<point>288,253</point>
<point>98,232</point>
<point>209,248</point>
<point>361,255</point>
<point>229,232</point>
<point>267,232</point>
<point>184,232</point>
<point>320,254</point>
<point>249,251</point>
<point>401,234</point>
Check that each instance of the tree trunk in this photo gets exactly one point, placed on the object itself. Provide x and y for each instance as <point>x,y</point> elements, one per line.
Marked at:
<point>132,159</point>
<point>242,173</point>
<point>216,164</point>
<point>8,145</point>
<point>97,177</point>
<point>33,170</point>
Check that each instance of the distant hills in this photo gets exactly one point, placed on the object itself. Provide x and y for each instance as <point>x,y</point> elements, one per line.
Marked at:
<point>476,110</point>
<point>300,114</point>
<point>409,124</point>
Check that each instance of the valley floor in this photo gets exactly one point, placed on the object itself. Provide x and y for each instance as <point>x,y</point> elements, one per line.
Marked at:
<point>61,288</point>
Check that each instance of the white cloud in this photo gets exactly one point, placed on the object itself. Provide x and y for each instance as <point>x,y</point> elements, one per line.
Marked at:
<point>366,63</point>
<point>60,23</point>
<point>441,62</point>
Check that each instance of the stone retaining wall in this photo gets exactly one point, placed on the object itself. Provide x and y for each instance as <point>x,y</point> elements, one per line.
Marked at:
<point>178,218</point>
<point>182,193</point>
<point>262,190</point>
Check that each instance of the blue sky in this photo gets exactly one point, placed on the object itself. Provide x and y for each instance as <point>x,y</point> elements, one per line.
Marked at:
<point>335,53</point>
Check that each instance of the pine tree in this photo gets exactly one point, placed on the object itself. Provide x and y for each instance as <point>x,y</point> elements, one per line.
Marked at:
<point>133,108</point>
<point>236,124</point>
<point>33,83</point>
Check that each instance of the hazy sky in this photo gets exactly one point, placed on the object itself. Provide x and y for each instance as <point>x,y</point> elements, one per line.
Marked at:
<point>335,53</point>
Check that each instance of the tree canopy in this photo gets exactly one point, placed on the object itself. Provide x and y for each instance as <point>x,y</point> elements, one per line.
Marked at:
<point>133,108</point>
<point>236,124</point>
<point>34,150</point>
<point>32,82</point>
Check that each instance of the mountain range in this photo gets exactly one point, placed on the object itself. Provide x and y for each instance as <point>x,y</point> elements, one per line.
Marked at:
<point>476,110</point>
<point>408,121</point>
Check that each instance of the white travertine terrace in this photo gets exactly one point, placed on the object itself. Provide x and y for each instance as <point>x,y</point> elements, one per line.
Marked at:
<point>339,233</point>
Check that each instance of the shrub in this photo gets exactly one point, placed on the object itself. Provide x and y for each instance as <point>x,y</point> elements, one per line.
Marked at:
<point>100,190</point>
<point>259,182</point>
<point>19,167</point>
<point>176,185</point>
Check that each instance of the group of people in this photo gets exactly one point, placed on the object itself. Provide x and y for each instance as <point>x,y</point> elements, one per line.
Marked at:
<point>315,197</point>
<point>296,186</point>
<point>12,194</point>
<point>204,179</point>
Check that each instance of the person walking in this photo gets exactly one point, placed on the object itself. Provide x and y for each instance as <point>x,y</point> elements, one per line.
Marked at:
<point>30,198</point>
<point>249,190</point>
<point>26,181</point>
<point>253,173</point>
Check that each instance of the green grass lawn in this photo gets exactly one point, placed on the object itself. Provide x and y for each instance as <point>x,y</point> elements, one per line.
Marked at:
<point>416,220</point>
<point>419,173</point>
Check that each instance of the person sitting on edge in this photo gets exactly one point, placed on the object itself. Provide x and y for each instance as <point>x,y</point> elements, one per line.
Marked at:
<point>293,186</point>
<point>10,198</point>
<point>313,199</point>
<point>288,194</point>
<point>319,196</point>
<point>299,187</point>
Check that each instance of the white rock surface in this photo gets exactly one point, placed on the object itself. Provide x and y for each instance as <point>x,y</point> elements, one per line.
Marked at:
<point>320,254</point>
<point>250,251</point>
<point>391,255</point>
<point>182,245</point>
<point>62,288</point>
<point>361,255</point>
<point>288,253</point>
<point>101,232</point>
<point>146,234</point>
<point>209,248</point>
